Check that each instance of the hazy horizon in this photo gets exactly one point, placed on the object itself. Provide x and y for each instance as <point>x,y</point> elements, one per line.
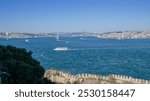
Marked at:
<point>99,16</point>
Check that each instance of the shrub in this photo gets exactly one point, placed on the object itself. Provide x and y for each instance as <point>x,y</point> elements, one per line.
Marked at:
<point>20,65</point>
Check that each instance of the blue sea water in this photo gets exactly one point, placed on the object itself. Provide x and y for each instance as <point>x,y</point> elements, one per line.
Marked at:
<point>130,57</point>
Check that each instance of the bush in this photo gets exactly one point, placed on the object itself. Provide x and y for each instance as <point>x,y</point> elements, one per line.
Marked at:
<point>23,69</point>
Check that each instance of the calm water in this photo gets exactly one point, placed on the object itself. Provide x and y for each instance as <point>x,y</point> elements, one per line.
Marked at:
<point>90,55</point>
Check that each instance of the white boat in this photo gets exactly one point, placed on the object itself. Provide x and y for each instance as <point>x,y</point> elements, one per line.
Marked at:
<point>57,38</point>
<point>61,49</point>
<point>81,38</point>
<point>26,40</point>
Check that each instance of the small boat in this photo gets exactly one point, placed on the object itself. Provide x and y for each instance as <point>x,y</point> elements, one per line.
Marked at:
<point>82,39</point>
<point>57,38</point>
<point>61,49</point>
<point>26,40</point>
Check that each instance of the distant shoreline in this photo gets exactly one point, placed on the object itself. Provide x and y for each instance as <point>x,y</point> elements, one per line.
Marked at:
<point>108,35</point>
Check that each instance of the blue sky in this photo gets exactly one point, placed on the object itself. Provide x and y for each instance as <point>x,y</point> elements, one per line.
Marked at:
<point>74,15</point>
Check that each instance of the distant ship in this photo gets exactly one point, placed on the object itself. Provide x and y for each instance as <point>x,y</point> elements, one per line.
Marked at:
<point>57,37</point>
<point>61,49</point>
<point>81,38</point>
<point>26,40</point>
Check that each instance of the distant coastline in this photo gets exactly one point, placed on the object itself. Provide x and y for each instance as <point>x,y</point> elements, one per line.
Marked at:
<point>108,35</point>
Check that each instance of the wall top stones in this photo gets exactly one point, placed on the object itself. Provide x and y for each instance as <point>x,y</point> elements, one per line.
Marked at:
<point>51,74</point>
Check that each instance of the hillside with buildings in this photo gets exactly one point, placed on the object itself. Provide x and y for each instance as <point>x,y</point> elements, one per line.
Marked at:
<point>107,35</point>
<point>125,35</point>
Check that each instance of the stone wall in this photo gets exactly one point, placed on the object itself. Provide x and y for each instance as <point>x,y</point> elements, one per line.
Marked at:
<point>66,78</point>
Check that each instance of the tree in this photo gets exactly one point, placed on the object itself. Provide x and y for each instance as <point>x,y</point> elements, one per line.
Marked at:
<point>23,69</point>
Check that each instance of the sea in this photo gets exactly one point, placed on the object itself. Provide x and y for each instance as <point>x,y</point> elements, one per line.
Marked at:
<point>129,57</point>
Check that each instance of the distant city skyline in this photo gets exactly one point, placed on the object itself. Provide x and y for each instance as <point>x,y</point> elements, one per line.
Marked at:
<point>74,15</point>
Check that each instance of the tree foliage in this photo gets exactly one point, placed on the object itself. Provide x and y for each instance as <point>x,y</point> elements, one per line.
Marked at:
<point>20,65</point>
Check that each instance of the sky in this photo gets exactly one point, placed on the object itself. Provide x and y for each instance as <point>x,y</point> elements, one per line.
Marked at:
<point>74,15</point>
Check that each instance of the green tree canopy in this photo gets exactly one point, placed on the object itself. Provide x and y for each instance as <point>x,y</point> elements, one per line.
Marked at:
<point>20,65</point>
